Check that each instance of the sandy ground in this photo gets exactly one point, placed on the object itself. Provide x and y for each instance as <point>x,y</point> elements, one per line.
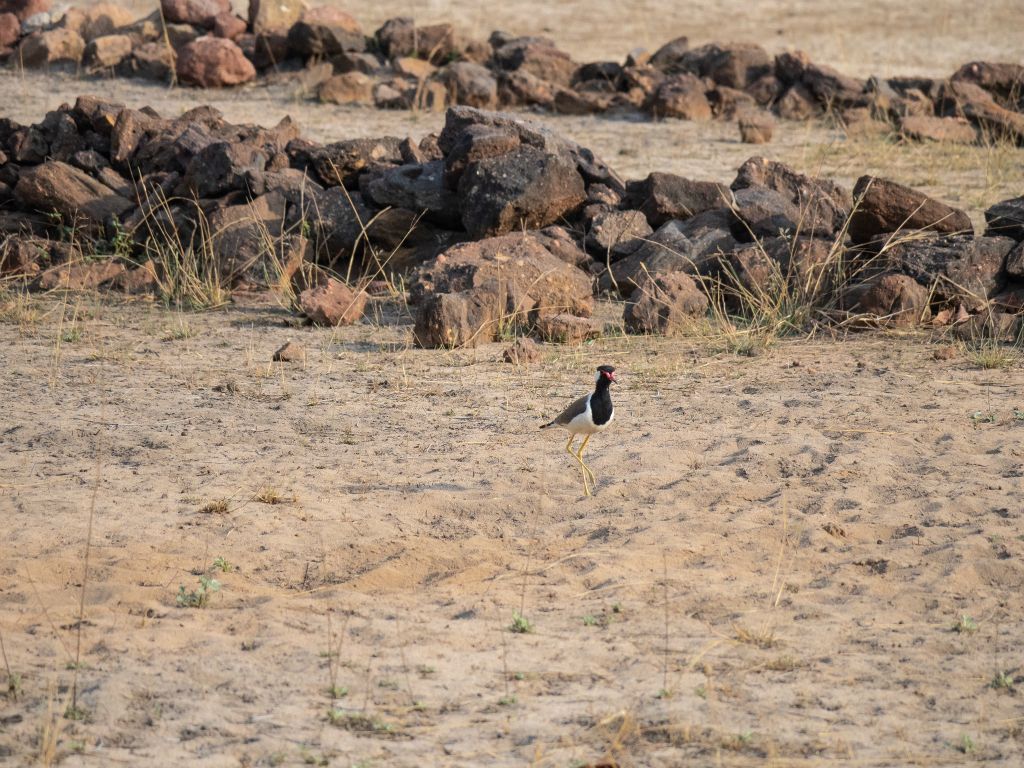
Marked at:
<point>769,572</point>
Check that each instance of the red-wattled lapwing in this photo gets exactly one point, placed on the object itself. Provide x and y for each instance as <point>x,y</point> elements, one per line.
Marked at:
<point>588,415</point>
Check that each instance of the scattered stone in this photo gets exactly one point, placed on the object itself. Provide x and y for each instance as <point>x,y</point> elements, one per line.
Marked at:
<point>568,329</point>
<point>522,352</point>
<point>666,196</point>
<point>273,15</point>
<point>885,206</point>
<point>79,276</point>
<point>471,84</point>
<point>616,234</point>
<point>214,62</point>
<point>106,52</point>
<point>1006,218</point>
<point>950,130</point>
<point>682,96</point>
<point>890,298</point>
<point>325,31</point>
<point>51,47</point>
<point>198,13</point>
<point>332,303</point>
<point>756,128</point>
<point>79,199</point>
<point>823,206</point>
<point>351,87</point>
<point>290,352</point>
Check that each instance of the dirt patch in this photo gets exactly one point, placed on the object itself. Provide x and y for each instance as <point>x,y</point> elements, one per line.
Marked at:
<point>788,590</point>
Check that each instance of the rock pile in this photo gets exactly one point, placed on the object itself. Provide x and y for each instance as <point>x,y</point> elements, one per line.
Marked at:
<point>405,66</point>
<point>496,223</point>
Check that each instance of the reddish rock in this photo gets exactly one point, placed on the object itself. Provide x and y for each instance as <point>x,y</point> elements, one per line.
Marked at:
<point>343,161</point>
<point>229,26</point>
<point>525,188</point>
<point>681,96</point>
<point>273,15</point>
<point>436,43</point>
<point>23,9</point>
<point>797,103</point>
<point>290,352</point>
<point>664,305</point>
<point>734,65</point>
<point>615,234</point>
<point>351,87</point>
<point>138,280</point>
<point>152,61</point>
<point>98,20</point>
<point>198,13</point>
<point>51,47</point>
<point>756,128</point>
<point>666,196</point>
<point>471,84</point>
<point>951,130</point>
<point>1003,80</point>
<point>568,329</point>
<point>668,57</point>
<point>410,66</point>
<point>79,276</point>
<point>1015,262</point>
<point>522,352</point>
<point>450,320</point>
<point>886,206</point>
<point>10,30</point>
<point>332,303</point>
<point>537,56</point>
<point>213,62</point>
<point>890,299</point>
<point>76,196</point>
<point>20,256</point>
<point>962,98</point>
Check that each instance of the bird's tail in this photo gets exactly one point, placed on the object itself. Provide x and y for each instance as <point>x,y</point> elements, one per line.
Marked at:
<point>549,424</point>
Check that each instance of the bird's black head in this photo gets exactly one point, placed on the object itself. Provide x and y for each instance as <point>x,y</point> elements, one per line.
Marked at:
<point>605,373</point>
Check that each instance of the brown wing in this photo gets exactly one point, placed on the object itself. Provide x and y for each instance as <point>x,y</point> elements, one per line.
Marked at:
<point>570,413</point>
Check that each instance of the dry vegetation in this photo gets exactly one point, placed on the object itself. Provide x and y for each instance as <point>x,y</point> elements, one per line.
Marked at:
<point>801,552</point>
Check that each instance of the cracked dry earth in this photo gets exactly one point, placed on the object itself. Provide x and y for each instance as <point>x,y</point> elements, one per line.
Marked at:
<point>769,573</point>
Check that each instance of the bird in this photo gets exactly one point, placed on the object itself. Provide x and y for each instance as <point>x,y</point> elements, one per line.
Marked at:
<point>590,414</point>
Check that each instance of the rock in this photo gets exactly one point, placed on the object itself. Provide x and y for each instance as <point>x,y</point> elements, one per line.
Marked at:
<point>763,212</point>
<point>616,234</point>
<point>885,206</point>
<point>79,276</point>
<point>418,187</point>
<point>355,61</point>
<point>401,37</point>
<point>229,26</point>
<point>475,143</point>
<point>665,196</point>
<point>470,84</point>
<point>198,13</point>
<point>1006,218</point>
<point>342,162</point>
<point>798,103</point>
<point>681,96</point>
<point>332,303</point>
<point>450,320</point>
<point>960,98</point>
<point>960,267</point>
<point>523,89</point>
<point>765,90</point>
<point>395,93</point>
<point>991,325</point>
<point>10,30</point>
<point>138,280</point>
<point>568,329</point>
<point>537,56</point>
<point>756,128</point>
<point>952,130</point>
<point>225,166</point>
<point>51,47</point>
<point>245,240</point>
<point>214,62</point>
<point>561,244</point>
<point>351,87</point>
<point>823,205</point>
<point>1009,300</point>
<point>264,50</point>
<point>24,9</point>
<point>570,102</point>
<point>20,256</point>
<point>97,21</point>
<point>106,52</point>
<point>522,352</point>
<point>665,305</point>
<point>734,65</point>
<point>325,31</point>
<point>290,352</point>
<point>335,219</point>
<point>76,196</point>
<point>1005,81</point>
<point>1015,262</point>
<point>273,15</point>
<point>525,188</point>
<point>891,299</point>
<point>667,57</point>
<point>410,66</point>
<point>152,61</point>
<point>693,246</point>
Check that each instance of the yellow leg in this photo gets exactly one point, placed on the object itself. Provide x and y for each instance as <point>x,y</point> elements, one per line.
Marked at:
<point>586,469</point>
<point>583,467</point>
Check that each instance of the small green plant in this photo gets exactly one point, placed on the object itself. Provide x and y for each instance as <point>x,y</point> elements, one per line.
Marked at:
<point>700,691</point>
<point>1003,681</point>
<point>223,565</point>
<point>179,332</point>
<point>200,597</point>
<point>14,685</point>
<point>990,354</point>
<point>425,670</point>
<point>965,625</point>
<point>966,744</point>
<point>76,713</point>
<point>520,624</point>
<point>980,417</point>
<point>507,701</point>
<point>590,621</point>
<point>1018,414</point>
<point>355,721</point>
<point>337,691</point>
<point>71,335</point>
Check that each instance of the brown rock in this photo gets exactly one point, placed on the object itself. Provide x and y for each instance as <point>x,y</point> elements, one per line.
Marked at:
<point>76,196</point>
<point>198,13</point>
<point>885,206</point>
<point>797,103</point>
<point>1006,218</point>
<point>666,196</point>
<point>273,15</point>
<point>290,352</point>
<point>449,320</point>
<point>536,56</point>
<point>395,93</point>
<point>332,303</point>
<point>213,62</point>
<point>436,43</point>
<point>522,352</point>
<point>410,66</point>
<point>1003,80</point>
<point>568,329</point>
<point>963,98</point>
<point>665,305</point>
<point>952,130</point>
<point>10,30</point>
<point>152,61</point>
<point>23,9</point>
<point>351,87</point>
<point>325,31</point>
<point>246,242</point>
<point>106,52</point>
<point>734,65</point>
<point>890,299</point>
<point>229,26</point>
<point>669,55</point>
<point>756,128</point>
<point>471,84</point>
<point>616,234</point>
<point>1015,262</point>
<point>681,96</point>
<point>525,188</point>
<point>51,47</point>
<point>97,21</point>
<point>139,280</point>
<point>79,276</point>
<point>20,256</point>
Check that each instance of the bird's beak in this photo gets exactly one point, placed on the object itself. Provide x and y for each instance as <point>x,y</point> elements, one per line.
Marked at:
<point>612,377</point>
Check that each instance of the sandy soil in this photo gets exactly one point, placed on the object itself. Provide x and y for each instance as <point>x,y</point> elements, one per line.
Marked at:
<point>771,567</point>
